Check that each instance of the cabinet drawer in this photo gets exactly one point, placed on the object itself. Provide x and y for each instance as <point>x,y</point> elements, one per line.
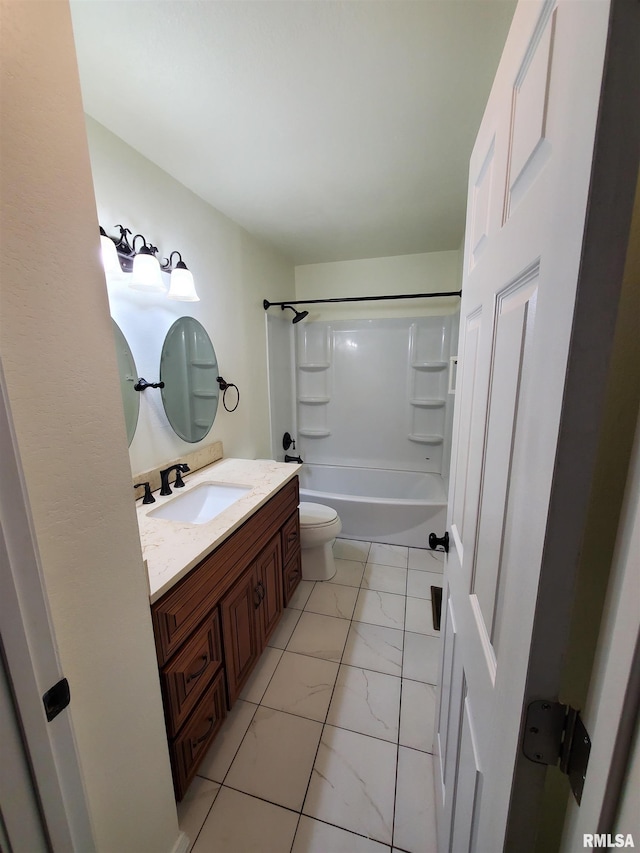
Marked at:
<point>190,746</point>
<point>185,678</point>
<point>291,576</point>
<point>290,537</point>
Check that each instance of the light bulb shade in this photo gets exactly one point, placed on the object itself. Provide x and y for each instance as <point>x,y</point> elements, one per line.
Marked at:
<point>110,260</point>
<point>146,274</point>
<point>182,287</point>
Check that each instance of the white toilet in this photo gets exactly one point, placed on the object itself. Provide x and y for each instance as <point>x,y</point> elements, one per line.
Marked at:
<point>319,526</point>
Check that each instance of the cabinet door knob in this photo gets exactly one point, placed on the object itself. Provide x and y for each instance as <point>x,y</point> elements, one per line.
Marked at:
<point>198,673</point>
<point>257,598</point>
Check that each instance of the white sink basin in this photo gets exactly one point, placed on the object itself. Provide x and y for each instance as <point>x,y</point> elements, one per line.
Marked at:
<point>201,503</point>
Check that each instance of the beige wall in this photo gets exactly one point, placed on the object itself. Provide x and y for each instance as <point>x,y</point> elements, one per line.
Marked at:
<point>58,357</point>
<point>422,273</point>
<point>233,271</point>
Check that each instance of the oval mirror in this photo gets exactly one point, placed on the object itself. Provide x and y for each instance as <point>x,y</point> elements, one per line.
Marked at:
<point>188,368</point>
<point>128,378</point>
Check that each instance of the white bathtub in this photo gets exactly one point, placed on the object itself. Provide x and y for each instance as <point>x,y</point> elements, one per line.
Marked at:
<point>376,505</point>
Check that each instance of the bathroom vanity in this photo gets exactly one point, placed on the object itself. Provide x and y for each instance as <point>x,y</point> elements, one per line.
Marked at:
<point>214,616</point>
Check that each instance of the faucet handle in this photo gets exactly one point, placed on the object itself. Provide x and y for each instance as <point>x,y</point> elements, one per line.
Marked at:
<point>179,483</point>
<point>148,497</point>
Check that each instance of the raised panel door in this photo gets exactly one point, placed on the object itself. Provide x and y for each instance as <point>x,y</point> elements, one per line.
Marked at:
<point>269,573</point>
<point>240,633</point>
<point>528,192</point>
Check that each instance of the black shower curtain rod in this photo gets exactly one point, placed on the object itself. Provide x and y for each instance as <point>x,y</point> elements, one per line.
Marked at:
<point>268,304</point>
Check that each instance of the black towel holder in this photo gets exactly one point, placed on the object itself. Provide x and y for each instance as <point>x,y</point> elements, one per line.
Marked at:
<point>224,387</point>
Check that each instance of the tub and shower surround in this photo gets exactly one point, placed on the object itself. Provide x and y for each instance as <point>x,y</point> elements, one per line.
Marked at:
<point>375,393</point>
<point>374,419</point>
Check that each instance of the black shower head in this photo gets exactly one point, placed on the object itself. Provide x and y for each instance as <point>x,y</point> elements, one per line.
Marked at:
<point>300,315</point>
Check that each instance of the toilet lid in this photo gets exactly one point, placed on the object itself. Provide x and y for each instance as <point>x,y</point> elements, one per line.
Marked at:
<point>316,515</point>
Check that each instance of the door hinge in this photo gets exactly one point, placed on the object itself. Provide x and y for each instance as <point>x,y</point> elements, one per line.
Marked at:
<point>56,699</point>
<point>555,734</point>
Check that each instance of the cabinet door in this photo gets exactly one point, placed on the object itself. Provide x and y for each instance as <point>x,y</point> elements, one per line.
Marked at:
<point>242,643</point>
<point>269,569</point>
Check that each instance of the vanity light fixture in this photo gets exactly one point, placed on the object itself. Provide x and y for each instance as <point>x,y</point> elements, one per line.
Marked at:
<point>121,256</point>
<point>146,273</point>
<point>110,259</point>
<point>182,287</point>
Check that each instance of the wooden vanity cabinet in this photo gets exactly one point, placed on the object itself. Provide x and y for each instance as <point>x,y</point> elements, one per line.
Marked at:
<point>212,626</point>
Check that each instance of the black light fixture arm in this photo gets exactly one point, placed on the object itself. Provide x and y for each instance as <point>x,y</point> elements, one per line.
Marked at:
<point>127,250</point>
<point>168,265</point>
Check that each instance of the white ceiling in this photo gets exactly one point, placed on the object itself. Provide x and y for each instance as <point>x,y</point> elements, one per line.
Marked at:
<point>333,130</point>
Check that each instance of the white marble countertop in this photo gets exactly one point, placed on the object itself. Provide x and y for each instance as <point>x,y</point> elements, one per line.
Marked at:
<point>171,549</point>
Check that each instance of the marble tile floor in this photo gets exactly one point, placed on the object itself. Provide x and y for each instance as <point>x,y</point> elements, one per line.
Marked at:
<point>328,748</point>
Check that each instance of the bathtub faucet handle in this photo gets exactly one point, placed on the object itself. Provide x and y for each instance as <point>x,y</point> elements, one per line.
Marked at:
<point>288,441</point>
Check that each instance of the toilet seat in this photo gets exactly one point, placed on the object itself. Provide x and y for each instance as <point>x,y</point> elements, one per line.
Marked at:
<point>314,515</point>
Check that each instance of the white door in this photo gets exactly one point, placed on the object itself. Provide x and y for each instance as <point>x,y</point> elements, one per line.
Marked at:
<point>30,664</point>
<point>21,826</point>
<point>528,190</point>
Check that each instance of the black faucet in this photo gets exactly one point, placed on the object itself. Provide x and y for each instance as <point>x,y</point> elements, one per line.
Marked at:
<point>148,497</point>
<point>180,469</point>
<point>288,458</point>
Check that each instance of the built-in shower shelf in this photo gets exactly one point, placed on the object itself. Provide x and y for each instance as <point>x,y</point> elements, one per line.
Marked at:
<point>425,439</point>
<point>429,365</point>
<point>213,395</point>
<point>314,365</point>
<point>313,401</point>
<point>427,403</point>
<point>203,362</point>
<point>314,433</point>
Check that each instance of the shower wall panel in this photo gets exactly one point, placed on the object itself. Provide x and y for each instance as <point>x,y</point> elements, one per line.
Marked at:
<point>374,393</point>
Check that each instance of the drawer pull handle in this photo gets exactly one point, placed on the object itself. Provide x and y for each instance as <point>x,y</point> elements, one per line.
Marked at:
<point>260,592</point>
<point>292,537</point>
<point>203,737</point>
<point>198,673</point>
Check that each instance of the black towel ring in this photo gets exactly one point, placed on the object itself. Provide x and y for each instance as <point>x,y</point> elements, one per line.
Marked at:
<point>224,387</point>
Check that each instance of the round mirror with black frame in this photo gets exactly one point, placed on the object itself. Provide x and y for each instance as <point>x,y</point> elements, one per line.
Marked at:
<point>188,368</point>
<point>128,378</point>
